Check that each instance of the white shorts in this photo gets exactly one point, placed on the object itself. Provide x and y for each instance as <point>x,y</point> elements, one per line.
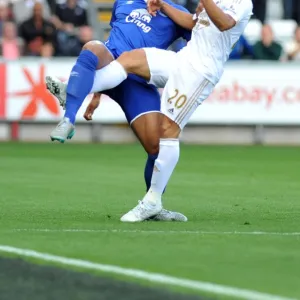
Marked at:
<point>161,63</point>
<point>184,87</point>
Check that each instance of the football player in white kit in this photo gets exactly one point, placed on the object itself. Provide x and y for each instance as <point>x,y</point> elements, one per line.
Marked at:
<point>189,78</point>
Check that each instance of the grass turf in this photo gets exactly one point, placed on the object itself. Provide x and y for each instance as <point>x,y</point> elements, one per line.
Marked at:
<point>220,189</point>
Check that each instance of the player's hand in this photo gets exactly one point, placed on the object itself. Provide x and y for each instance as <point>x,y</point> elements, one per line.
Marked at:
<point>88,115</point>
<point>153,6</point>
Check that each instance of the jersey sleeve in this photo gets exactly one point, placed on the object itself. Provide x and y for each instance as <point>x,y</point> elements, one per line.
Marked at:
<point>239,9</point>
<point>113,14</point>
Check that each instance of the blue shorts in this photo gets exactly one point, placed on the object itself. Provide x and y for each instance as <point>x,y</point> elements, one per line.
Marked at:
<point>135,96</point>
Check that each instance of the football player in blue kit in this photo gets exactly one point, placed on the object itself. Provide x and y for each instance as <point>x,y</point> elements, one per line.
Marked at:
<point>132,28</point>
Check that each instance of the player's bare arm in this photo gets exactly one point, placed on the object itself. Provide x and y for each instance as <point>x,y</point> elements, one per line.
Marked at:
<point>93,105</point>
<point>181,18</point>
<point>222,20</point>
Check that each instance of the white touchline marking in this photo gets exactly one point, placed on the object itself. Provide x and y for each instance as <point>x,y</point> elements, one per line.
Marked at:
<point>159,231</point>
<point>148,276</point>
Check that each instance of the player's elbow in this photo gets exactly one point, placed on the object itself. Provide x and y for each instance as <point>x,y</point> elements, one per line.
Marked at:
<point>190,26</point>
<point>226,24</point>
<point>223,28</point>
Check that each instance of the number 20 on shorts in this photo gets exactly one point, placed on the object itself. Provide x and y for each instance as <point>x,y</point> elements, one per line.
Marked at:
<point>180,100</point>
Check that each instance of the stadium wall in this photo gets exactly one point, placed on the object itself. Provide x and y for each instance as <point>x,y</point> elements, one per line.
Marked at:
<point>255,102</point>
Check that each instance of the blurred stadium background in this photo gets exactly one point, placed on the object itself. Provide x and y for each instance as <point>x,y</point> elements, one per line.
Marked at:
<point>257,100</point>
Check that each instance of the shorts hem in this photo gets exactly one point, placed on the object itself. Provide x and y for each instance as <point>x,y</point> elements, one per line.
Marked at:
<point>180,125</point>
<point>107,49</point>
<point>144,113</point>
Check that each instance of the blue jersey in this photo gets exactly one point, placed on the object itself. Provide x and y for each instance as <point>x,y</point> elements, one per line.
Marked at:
<point>133,27</point>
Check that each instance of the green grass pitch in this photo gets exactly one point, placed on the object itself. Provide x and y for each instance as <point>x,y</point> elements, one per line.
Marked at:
<point>220,189</point>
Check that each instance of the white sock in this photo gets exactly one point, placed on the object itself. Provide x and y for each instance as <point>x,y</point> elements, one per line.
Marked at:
<point>164,166</point>
<point>109,77</point>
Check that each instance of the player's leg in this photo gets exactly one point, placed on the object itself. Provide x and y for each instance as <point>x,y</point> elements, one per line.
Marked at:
<point>136,62</point>
<point>143,114</point>
<point>115,73</point>
<point>141,105</point>
<point>179,102</point>
<point>180,99</point>
<point>94,55</point>
<point>58,88</point>
<point>146,128</point>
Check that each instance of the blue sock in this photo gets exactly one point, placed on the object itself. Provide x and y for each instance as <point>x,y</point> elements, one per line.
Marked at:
<point>149,169</point>
<point>80,82</point>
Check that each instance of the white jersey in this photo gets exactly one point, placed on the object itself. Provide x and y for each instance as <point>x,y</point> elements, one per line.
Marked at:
<point>209,48</point>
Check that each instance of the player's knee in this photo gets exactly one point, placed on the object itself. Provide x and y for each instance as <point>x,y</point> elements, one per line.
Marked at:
<point>151,142</point>
<point>93,46</point>
<point>126,55</point>
<point>152,147</point>
<point>126,58</point>
<point>129,60</point>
